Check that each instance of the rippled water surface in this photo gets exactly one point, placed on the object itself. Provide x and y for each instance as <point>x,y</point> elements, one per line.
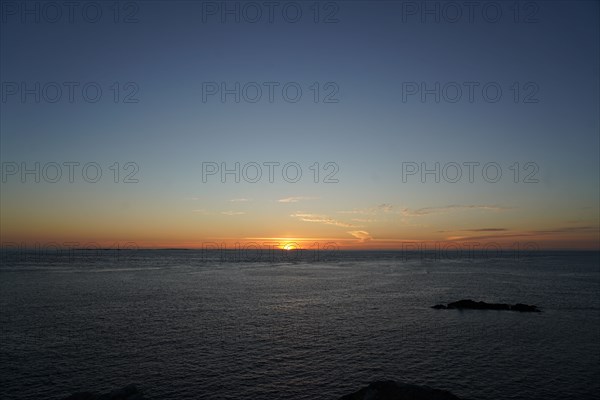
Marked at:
<point>182,326</point>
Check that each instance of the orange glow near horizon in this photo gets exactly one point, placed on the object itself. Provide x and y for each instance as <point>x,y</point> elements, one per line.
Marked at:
<point>516,242</point>
<point>387,230</point>
<point>341,219</point>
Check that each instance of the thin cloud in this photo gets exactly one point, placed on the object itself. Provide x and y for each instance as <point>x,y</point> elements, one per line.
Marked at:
<point>241,200</point>
<point>362,236</point>
<point>201,211</point>
<point>385,208</point>
<point>570,229</point>
<point>487,230</point>
<point>477,230</point>
<point>534,233</point>
<point>442,210</point>
<point>355,212</point>
<point>232,213</point>
<point>295,199</point>
<point>323,219</point>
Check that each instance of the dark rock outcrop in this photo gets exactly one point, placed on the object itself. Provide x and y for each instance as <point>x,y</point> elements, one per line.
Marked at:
<point>524,308</point>
<point>129,392</point>
<point>391,390</point>
<point>482,305</point>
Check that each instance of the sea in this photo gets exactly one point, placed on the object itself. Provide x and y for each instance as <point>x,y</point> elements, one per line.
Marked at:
<point>198,324</point>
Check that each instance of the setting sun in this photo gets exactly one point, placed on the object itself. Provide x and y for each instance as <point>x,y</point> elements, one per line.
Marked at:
<point>292,245</point>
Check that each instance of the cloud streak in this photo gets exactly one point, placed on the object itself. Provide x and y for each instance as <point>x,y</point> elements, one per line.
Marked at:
<point>232,213</point>
<point>420,212</point>
<point>362,236</point>
<point>295,199</point>
<point>533,233</point>
<point>477,230</point>
<point>381,208</point>
<point>323,219</point>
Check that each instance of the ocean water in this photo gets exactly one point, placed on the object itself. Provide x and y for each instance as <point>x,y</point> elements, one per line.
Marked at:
<point>193,325</point>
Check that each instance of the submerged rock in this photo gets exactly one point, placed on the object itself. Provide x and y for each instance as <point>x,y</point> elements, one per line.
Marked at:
<point>482,305</point>
<point>392,390</point>
<point>129,392</point>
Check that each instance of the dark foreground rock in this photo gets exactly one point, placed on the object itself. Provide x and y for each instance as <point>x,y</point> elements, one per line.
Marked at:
<point>129,392</point>
<point>482,305</point>
<point>391,390</point>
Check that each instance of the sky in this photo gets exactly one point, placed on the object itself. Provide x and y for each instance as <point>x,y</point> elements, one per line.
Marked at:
<point>427,122</point>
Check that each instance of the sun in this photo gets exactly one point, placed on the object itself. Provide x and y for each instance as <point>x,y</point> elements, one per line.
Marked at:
<point>289,246</point>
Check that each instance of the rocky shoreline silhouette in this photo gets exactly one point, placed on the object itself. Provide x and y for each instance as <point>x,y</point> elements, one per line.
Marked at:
<point>392,390</point>
<point>482,305</point>
<point>378,390</point>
